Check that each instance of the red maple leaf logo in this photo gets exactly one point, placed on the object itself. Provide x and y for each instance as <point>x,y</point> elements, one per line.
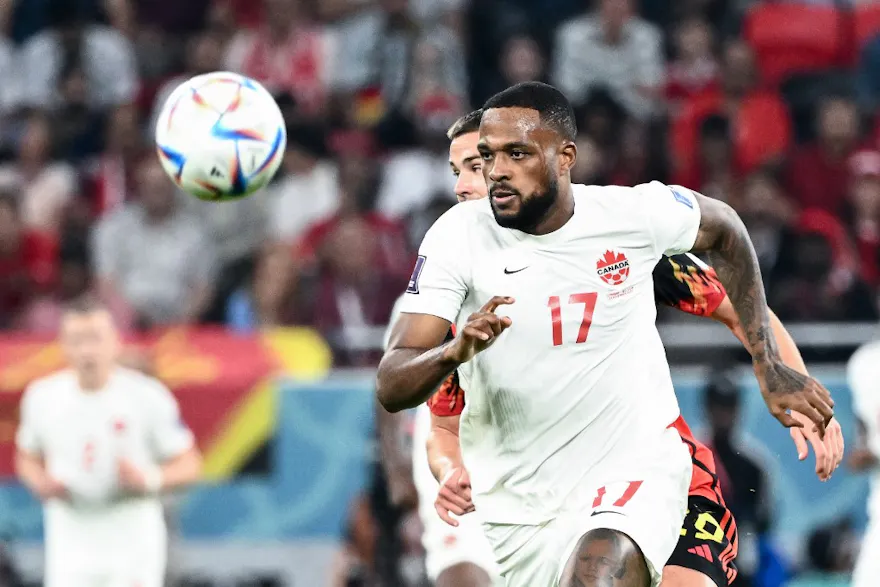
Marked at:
<point>613,268</point>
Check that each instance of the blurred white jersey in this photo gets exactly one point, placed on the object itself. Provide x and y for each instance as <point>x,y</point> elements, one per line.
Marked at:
<point>99,532</point>
<point>863,377</point>
<point>578,388</point>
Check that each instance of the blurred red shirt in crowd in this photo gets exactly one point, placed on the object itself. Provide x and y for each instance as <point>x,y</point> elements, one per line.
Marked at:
<point>28,261</point>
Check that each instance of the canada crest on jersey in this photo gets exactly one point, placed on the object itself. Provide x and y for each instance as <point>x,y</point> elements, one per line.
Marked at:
<point>613,268</point>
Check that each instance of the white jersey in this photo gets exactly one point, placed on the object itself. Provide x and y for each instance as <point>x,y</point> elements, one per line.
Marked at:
<point>863,377</point>
<point>82,435</point>
<point>579,383</point>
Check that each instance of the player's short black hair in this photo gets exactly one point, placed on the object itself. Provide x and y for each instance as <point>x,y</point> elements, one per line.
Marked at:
<point>553,107</point>
<point>468,123</point>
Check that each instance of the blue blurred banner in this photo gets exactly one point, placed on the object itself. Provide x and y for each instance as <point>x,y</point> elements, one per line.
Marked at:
<point>322,449</point>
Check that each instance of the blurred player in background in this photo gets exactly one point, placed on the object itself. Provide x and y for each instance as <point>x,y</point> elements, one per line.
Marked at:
<point>98,443</point>
<point>863,377</point>
<point>699,517</point>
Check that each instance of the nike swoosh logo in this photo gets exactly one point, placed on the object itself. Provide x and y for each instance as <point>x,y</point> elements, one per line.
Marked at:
<point>607,512</point>
<point>509,272</point>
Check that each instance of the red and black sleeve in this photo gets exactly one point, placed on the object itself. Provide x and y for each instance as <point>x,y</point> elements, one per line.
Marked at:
<point>448,400</point>
<point>686,283</point>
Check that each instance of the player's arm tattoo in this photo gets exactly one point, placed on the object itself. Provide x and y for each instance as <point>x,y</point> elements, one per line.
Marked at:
<point>724,237</point>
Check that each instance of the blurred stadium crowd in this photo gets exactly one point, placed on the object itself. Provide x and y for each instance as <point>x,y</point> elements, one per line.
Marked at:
<point>768,105</point>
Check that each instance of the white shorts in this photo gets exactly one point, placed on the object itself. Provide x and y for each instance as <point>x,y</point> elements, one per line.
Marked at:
<point>868,564</point>
<point>445,545</point>
<point>73,575</point>
<point>651,517</point>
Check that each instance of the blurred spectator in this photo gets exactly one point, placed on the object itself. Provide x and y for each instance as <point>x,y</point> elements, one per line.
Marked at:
<point>600,119</point>
<point>818,176</point>
<point>154,255</point>
<point>869,76</point>
<point>418,168</point>
<point>354,294</point>
<point>46,186</point>
<point>831,548</point>
<point>171,17</point>
<point>714,172</point>
<point>10,88</point>
<point>236,231</point>
<point>111,176</point>
<point>634,164</point>
<point>75,280</point>
<point>694,69</point>
<point>864,200</point>
<point>823,284</point>
<point>204,54</point>
<point>27,262</point>
<point>75,43</point>
<point>521,59</point>
<point>767,214</point>
<point>760,123</point>
<point>590,162</point>
<point>359,187</point>
<point>379,47</point>
<point>613,48</point>
<point>288,53</point>
<point>76,126</point>
<point>355,563</point>
<point>306,169</point>
<point>744,479</point>
<point>268,299</point>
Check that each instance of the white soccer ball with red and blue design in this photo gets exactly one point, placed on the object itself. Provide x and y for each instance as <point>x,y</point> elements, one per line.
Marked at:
<point>220,136</point>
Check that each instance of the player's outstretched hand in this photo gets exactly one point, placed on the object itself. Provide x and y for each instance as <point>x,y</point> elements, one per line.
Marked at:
<point>785,389</point>
<point>480,331</point>
<point>454,496</point>
<point>829,452</point>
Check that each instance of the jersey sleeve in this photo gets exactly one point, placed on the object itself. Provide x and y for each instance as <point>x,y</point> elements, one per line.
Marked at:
<point>170,436</point>
<point>440,278</point>
<point>686,283</point>
<point>673,214</point>
<point>27,437</point>
<point>448,400</point>
<point>862,374</point>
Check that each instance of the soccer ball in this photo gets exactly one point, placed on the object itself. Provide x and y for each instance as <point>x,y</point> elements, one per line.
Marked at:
<point>220,136</point>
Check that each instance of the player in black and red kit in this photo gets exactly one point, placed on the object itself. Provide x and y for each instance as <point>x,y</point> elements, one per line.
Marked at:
<point>708,544</point>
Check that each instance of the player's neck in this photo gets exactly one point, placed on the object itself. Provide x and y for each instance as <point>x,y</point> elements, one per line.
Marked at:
<point>92,382</point>
<point>558,215</point>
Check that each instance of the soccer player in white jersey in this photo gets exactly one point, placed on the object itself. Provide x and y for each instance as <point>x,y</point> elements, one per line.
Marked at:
<point>457,553</point>
<point>863,376</point>
<point>98,443</point>
<point>575,470</point>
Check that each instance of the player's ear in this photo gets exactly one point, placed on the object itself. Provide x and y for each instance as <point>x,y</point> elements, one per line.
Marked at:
<point>567,157</point>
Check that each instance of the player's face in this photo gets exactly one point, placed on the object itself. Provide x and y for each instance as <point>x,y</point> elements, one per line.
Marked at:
<point>464,159</point>
<point>90,342</point>
<point>521,164</point>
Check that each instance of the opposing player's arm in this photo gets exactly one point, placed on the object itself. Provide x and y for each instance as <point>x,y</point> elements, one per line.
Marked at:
<point>723,235</point>
<point>444,450</point>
